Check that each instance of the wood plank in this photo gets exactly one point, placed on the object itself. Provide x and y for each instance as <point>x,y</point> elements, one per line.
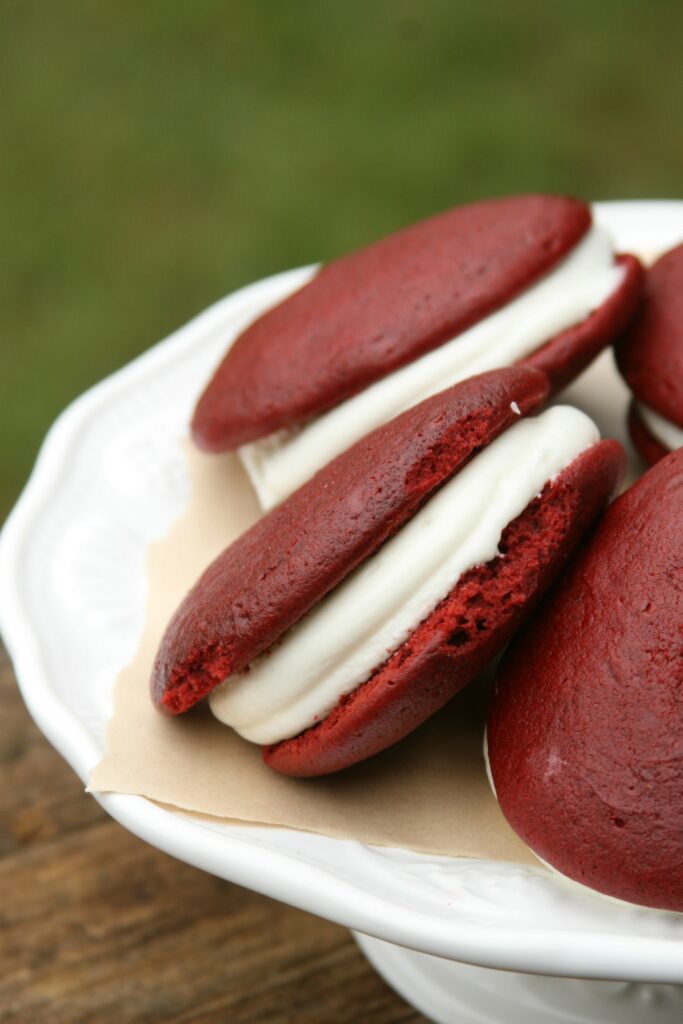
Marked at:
<point>99,927</point>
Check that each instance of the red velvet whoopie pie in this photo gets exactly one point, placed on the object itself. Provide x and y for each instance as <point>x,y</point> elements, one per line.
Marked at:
<point>532,274</point>
<point>381,307</point>
<point>585,731</point>
<point>262,599</point>
<point>650,358</point>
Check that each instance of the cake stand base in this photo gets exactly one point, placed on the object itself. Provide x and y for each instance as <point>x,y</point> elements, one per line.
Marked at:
<point>448,992</point>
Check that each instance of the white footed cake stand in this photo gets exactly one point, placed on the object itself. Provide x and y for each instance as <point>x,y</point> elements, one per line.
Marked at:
<point>462,940</point>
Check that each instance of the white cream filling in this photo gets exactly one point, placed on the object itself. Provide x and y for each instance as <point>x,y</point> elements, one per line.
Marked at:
<point>663,430</point>
<point>352,631</point>
<point>278,464</point>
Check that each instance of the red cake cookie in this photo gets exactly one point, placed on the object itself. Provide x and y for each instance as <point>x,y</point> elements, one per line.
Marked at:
<point>585,732</point>
<point>650,358</point>
<point>465,458</point>
<point>374,311</point>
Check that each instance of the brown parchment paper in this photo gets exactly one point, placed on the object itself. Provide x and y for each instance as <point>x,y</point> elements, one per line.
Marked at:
<point>428,793</point>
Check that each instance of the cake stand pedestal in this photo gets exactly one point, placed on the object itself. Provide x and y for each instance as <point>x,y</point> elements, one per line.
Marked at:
<point>448,992</point>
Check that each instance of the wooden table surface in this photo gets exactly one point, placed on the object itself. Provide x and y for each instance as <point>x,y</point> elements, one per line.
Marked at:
<point>98,927</point>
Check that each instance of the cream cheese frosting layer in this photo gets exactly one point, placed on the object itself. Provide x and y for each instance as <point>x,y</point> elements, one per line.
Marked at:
<point>353,630</point>
<point>278,464</point>
<point>663,430</point>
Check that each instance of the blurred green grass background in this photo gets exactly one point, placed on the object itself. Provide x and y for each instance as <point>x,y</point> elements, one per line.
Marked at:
<point>154,156</point>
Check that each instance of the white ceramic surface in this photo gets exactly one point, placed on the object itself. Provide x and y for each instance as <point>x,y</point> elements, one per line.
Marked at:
<point>448,992</point>
<point>110,479</point>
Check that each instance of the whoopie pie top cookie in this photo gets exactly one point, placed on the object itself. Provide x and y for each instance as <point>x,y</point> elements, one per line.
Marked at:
<point>356,608</point>
<point>650,358</point>
<point>527,279</point>
<point>585,731</point>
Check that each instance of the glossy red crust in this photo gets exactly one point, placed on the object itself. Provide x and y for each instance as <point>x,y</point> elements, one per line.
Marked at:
<point>586,730</point>
<point>650,355</point>
<point>565,356</point>
<point>647,446</point>
<point>377,309</point>
<point>264,582</point>
<point>465,631</point>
